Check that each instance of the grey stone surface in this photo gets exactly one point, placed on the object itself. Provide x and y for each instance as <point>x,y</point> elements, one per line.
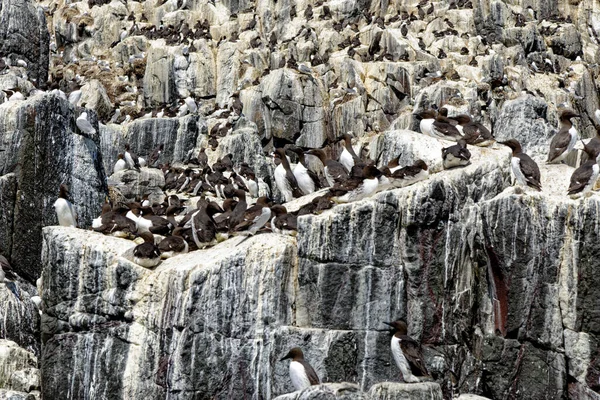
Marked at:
<point>24,36</point>
<point>45,149</point>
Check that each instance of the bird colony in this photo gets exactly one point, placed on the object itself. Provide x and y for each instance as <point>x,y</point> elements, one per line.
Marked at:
<point>215,127</point>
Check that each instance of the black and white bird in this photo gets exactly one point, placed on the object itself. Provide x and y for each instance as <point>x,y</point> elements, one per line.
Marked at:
<point>564,141</point>
<point>443,128</point>
<point>302,374</point>
<point>283,222</point>
<point>407,353</point>
<point>284,177</point>
<point>121,164</point>
<point>357,187</point>
<point>307,180</point>
<point>409,175</point>
<point>584,178</point>
<point>334,171</point>
<point>131,158</point>
<point>525,170</point>
<point>84,124</point>
<point>146,254</point>
<point>457,155</point>
<point>348,158</point>
<point>64,209</point>
<point>474,133</point>
<point>427,118</point>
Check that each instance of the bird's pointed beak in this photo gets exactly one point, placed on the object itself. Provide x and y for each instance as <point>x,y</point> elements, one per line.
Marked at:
<point>285,358</point>
<point>388,323</point>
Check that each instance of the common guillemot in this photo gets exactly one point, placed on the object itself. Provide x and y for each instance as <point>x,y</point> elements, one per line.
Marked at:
<point>564,141</point>
<point>173,245</point>
<point>357,187</point>
<point>84,124</point>
<point>146,254</point>
<point>407,353</point>
<point>284,177</point>
<point>120,165</point>
<point>64,209</point>
<point>584,178</point>
<point>302,374</point>
<point>474,133</point>
<point>334,171</point>
<point>427,119</point>
<point>307,180</point>
<point>409,175</point>
<point>282,222</point>
<point>525,170</point>
<point>132,160</point>
<point>456,155</point>
<point>348,158</point>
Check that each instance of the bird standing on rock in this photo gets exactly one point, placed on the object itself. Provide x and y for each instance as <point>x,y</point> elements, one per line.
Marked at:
<point>84,124</point>
<point>64,209</point>
<point>564,141</point>
<point>525,170</point>
<point>284,177</point>
<point>407,353</point>
<point>131,158</point>
<point>302,374</point>
<point>584,178</point>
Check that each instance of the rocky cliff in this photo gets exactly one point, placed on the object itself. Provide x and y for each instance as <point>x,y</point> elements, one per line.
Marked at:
<point>499,286</point>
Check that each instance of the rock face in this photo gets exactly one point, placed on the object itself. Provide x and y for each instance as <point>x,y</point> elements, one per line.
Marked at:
<point>24,36</point>
<point>45,149</point>
<point>499,286</point>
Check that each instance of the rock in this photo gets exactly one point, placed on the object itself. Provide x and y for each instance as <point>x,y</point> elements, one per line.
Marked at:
<point>178,135</point>
<point>412,391</point>
<point>468,396</point>
<point>159,79</point>
<point>8,197</point>
<point>133,184</point>
<point>344,390</point>
<point>13,395</point>
<point>50,150</point>
<point>18,370</point>
<point>24,36</point>
<point>94,97</point>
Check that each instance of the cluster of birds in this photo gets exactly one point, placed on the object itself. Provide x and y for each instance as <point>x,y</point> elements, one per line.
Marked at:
<point>527,172</point>
<point>227,192</point>
<point>407,354</point>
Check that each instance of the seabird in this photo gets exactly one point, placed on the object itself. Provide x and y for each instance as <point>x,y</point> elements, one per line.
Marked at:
<point>302,374</point>
<point>131,159</point>
<point>564,141</point>
<point>473,132</point>
<point>443,129</point>
<point>191,105</point>
<point>348,158</point>
<point>357,188</point>
<point>283,222</point>
<point>237,215</point>
<point>407,353</point>
<point>334,171</point>
<point>173,245</point>
<point>75,96</point>
<point>409,175</point>
<point>427,119</point>
<point>584,178</point>
<point>64,209</point>
<point>307,180</point>
<point>114,223</point>
<point>456,155</point>
<point>120,165</point>
<point>204,229</point>
<point>284,177</point>
<point>146,254</point>
<point>84,125</point>
<point>525,170</point>
<point>255,217</point>
<point>155,155</point>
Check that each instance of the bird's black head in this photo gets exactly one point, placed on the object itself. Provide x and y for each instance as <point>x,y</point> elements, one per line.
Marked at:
<point>294,354</point>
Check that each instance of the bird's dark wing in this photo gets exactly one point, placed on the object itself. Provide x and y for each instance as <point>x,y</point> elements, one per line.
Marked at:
<point>531,171</point>
<point>5,265</point>
<point>581,177</point>
<point>446,129</point>
<point>310,372</point>
<point>559,144</point>
<point>287,222</point>
<point>337,171</point>
<point>412,351</point>
<point>465,154</point>
<point>296,192</point>
<point>406,172</point>
<point>315,179</point>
